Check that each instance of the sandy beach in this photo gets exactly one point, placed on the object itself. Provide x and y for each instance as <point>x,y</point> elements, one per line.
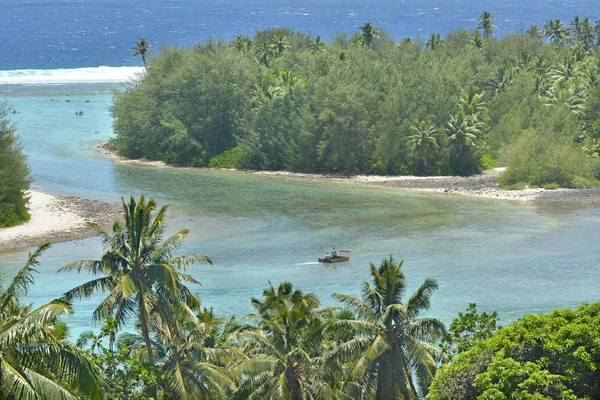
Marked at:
<point>482,185</point>
<point>58,219</point>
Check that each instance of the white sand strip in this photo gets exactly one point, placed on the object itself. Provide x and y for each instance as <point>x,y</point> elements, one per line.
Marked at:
<point>57,219</point>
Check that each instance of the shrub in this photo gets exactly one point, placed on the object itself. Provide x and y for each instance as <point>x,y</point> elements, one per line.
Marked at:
<point>545,158</point>
<point>584,183</point>
<point>232,158</point>
<point>551,186</point>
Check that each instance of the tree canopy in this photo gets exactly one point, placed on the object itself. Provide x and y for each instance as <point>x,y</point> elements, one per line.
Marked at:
<point>14,174</point>
<point>284,100</point>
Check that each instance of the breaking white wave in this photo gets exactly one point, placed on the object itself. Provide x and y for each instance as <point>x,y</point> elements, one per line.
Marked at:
<point>65,76</point>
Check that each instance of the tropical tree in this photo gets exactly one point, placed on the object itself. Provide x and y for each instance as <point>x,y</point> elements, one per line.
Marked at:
<point>142,48</point>
<point>14,174</point>
<point>35,360</point>
<point>556,32</point>
<point>423,143</point>
<point>318,45</point>
<point>263,53</point>
<point>476,40</point>
<point>279,44</point>
<point>368,34</point>
<point>196,359</point>
<point>434,41</point>
<point>242,43</point>
<point>140,272</point>
<point>486,24</point>
<point>283,350</point>
<point>392,350</point>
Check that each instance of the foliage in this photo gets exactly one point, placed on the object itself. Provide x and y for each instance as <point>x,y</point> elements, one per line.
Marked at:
<point>391,350</point>
<point>35,359</point>
<point>468,329</point>
<point>546,356</point>
<point>284,100</point>
<point>141,274</point>
<point>14,175</point>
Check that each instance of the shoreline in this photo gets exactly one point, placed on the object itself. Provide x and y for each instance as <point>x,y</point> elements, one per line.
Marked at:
<point>57,219</point>
<point>482,185</point>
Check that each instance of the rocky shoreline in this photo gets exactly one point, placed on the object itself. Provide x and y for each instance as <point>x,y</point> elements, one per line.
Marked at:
<point>482,185</point>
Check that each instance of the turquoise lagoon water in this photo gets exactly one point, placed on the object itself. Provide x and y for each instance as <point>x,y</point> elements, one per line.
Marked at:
<point>508,256</point>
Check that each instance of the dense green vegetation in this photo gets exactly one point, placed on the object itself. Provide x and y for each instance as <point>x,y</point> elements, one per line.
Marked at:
<point>377,346</point>
<point>285,100</point>
<point>547,356</point>
<point>14,175</point>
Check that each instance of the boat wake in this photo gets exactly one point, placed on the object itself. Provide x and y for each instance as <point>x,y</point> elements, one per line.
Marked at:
<point>308,263</point>
<point>64,76</point>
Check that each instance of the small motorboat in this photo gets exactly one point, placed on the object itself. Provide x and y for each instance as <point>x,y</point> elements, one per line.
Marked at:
<point>341,256</point>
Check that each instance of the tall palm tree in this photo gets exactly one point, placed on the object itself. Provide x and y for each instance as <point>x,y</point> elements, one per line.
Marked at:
<point>368,34</point>
<point>463,134</point>
<point>556,32</point>
<point>34,362</point>
<point>423,143</point>
<point>263,53</point>
<point>434,41</point>
<point>392,349</point>
<point>139,272</point>
<point>283,350</point>
<point>279,44</point>
<point>583,31</point>
<point>142,48</point>
<point>486,24</point>
<point>196,357</point>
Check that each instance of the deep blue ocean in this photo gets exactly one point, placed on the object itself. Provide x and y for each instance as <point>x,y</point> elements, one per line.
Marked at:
<point>50,34</point>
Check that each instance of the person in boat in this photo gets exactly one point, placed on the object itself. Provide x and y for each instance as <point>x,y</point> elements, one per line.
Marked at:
<point>334,253</point>
<point>327,257</point>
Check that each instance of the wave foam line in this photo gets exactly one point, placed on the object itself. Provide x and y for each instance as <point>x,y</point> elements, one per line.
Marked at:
<point>74,75</point>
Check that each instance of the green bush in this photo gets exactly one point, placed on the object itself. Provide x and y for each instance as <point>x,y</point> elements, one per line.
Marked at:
<point>546,356</point>
<point>545,158</point>
<point>584,183</point>
<point>551,186</point>
<point>516,186</point>
<point>12,214</point>
<point>232,158</point>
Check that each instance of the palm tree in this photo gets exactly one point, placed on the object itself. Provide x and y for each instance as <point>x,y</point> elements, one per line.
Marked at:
<point>463,134</point>
<point>477,40</point>
<point>142,48</point>
<point>279,44</point>
<point>584,32</point>
<point>534,32</point>
<point>434,41</point>
<point>392,349</point>
<point>423,142</point>
<point>197,356</point>
<point>318,45</point>
<point>556,32</point>
<point>139,272</point>
<point>263,54</point>
<point>368,34</point>
<point>35,363</point>
<point>242,43</point>
<point>283,350</point>
<point>486,24</point>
